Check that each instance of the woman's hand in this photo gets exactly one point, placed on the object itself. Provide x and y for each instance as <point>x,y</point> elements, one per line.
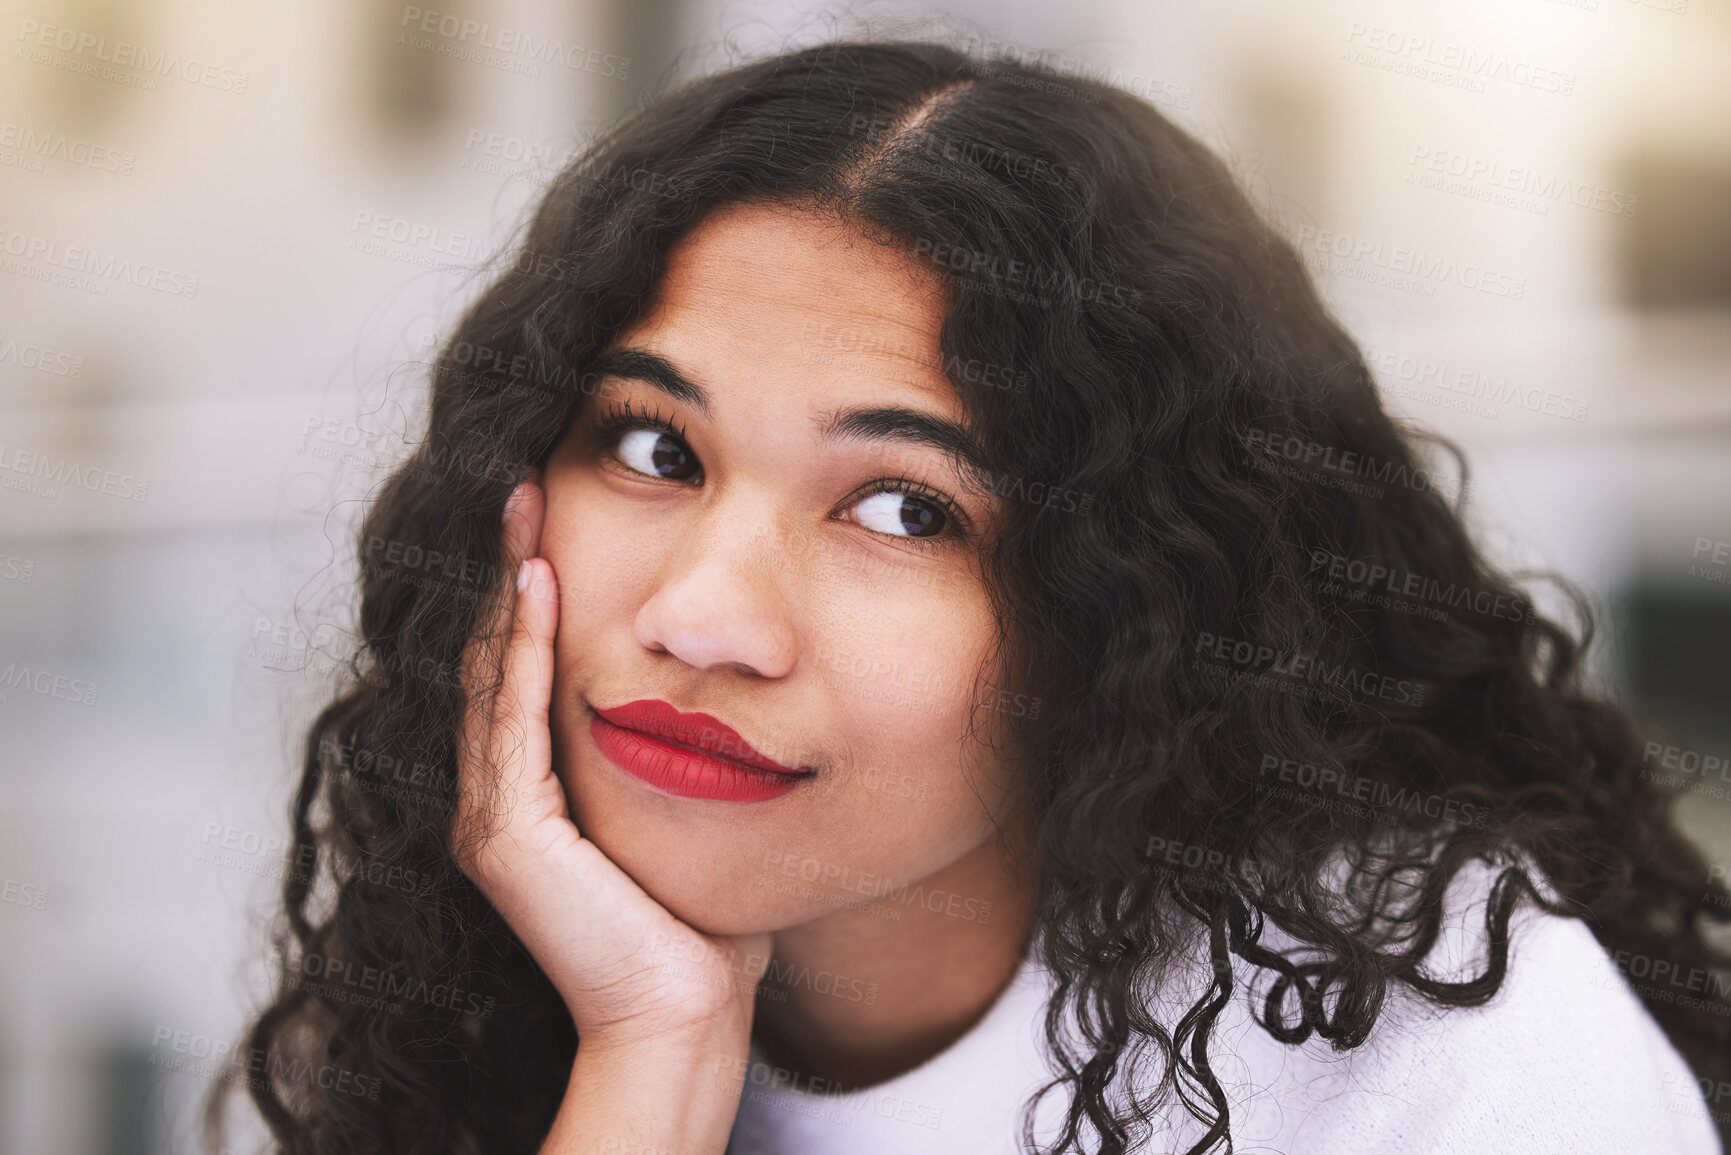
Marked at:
<point>606,945</point>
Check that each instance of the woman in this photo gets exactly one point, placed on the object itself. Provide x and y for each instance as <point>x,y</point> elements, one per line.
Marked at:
<point>983,671</point>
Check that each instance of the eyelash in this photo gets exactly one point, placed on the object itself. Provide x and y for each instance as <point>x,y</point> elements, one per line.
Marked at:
<point>913,487</point>
<point>619,418</point>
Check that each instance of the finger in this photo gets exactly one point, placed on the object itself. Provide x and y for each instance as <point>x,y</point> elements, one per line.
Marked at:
<point>527,691</point>
<point>506,762</point>
<point>483,662</point>
<point>524,511</point>
<point>520,528</point>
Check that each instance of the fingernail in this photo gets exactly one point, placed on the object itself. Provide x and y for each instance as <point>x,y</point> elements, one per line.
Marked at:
<point>523,577</point>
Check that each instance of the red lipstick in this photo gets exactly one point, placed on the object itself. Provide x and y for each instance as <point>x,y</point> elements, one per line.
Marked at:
<point>689,755</point>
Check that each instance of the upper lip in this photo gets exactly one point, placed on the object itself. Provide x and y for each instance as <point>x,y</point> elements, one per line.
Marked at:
<point>699,731</point>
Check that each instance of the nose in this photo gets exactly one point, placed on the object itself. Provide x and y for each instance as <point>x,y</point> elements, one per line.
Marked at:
<point>720,602</point>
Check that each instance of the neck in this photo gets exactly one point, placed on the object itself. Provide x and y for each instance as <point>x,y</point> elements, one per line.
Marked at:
<point>862,995</point>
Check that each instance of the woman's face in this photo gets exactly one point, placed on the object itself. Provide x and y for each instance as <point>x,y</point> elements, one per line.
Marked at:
<point>800,561</point>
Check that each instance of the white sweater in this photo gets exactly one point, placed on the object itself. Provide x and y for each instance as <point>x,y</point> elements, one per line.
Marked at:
<point>1562,1061</point>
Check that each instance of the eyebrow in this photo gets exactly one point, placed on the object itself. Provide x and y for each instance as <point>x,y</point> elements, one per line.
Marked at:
<point>886,424</point>
<point>653,369</point>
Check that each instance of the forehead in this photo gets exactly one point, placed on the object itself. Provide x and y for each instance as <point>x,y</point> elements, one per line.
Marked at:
<point>772,291</point>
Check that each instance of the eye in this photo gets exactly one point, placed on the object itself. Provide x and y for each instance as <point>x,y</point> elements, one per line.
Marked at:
<point>902,515</point>
<point>657,453</point>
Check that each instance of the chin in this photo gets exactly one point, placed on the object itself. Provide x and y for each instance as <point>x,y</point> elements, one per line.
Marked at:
<point>716,894</point>
<point>713,909</point>
<point>720,922</point>
<point>709,876</point>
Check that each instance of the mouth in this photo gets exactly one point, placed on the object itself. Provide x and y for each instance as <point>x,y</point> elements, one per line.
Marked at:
<point>689,755</point>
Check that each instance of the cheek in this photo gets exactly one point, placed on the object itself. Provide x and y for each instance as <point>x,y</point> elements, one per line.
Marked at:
<point>903,654</point>
<point>603,556</point>
<point>899,670</point>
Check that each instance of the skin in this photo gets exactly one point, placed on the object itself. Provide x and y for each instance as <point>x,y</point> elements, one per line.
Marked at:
<point>778,591</point>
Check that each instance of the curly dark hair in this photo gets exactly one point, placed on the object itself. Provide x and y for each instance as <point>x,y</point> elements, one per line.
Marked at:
<point>1209,621</point>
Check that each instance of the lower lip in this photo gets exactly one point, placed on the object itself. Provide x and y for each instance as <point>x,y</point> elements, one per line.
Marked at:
<point>684,772</point>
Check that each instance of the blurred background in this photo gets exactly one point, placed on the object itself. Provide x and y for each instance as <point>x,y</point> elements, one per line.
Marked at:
<point>230,235</point>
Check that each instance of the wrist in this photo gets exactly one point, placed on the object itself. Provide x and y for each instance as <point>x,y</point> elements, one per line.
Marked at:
<point>722,1022</point>
<point>674,1049</point>
<point>669,1092</point>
